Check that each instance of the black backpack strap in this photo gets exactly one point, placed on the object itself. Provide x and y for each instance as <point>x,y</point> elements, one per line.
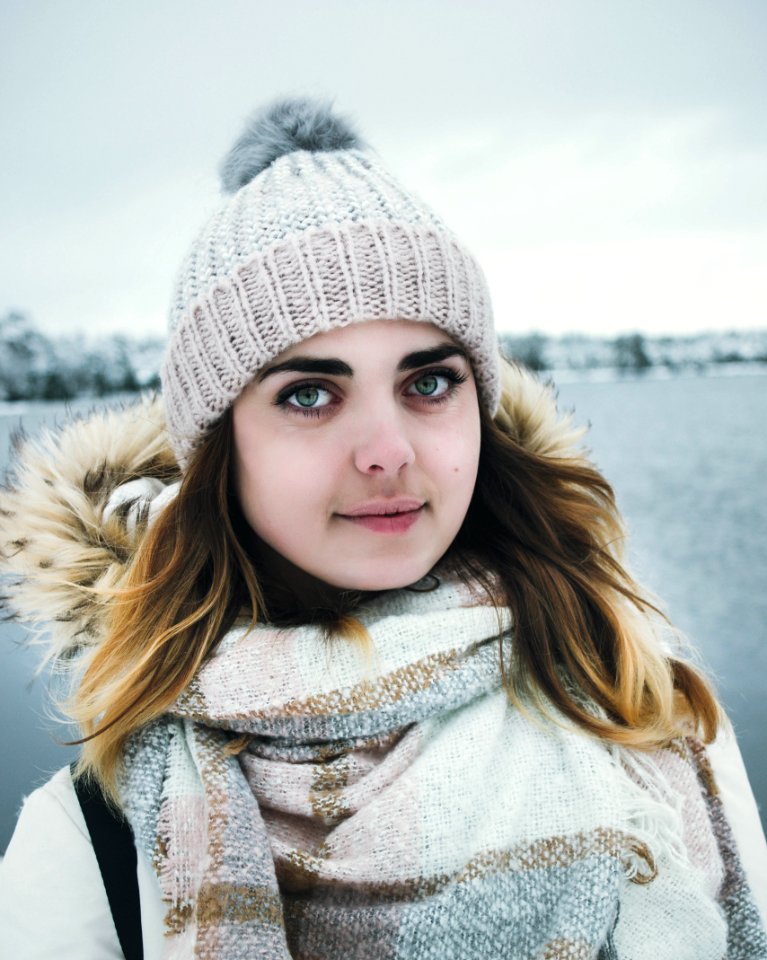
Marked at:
<point>116,855</point>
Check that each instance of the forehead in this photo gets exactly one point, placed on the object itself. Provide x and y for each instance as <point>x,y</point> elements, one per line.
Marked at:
<point>389,336</point>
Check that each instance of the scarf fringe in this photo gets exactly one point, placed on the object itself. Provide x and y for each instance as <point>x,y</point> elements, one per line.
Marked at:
<point>653,811</point>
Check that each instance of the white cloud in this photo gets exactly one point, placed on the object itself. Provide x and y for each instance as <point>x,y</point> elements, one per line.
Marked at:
<point>655,224</point>
<point>663,284</point>
<point>609,176</point>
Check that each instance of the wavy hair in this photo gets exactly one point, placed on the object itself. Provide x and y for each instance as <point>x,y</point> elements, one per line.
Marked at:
<point>542,536</point>
<point>588,640</point>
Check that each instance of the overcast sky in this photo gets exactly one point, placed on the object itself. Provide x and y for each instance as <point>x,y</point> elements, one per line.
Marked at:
<point>605,159</point>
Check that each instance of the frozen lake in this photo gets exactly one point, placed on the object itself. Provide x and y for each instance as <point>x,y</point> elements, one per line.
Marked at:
<point>688,460</point>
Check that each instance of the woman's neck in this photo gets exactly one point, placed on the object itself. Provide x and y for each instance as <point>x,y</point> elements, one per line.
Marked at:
<point>294,596</point>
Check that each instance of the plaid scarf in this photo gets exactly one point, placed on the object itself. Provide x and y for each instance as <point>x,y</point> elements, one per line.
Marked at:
<point>305,798</point>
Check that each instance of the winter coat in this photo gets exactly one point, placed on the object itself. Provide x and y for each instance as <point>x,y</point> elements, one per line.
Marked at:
<point>63,539</point>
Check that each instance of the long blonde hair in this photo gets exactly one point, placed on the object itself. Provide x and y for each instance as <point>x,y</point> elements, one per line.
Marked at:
<point>542,535</point>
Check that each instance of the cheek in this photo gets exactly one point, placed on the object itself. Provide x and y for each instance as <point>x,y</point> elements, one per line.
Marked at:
<point>452,468</point>
<point>280,485</point>
<point>257,473</point>
<point>460,455</point>
<point>465,474</point>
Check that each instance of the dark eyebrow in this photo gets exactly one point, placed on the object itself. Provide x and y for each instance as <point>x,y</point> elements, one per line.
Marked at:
<point>330,367</point>
<point>338,368</point>
<point>423,358</point>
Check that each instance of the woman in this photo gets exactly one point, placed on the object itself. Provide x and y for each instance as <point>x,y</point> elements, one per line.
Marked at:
<point>353,650</point>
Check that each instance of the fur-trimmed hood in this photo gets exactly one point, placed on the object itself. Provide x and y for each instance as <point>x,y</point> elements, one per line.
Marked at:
<point>55,540</point>
<point>61,545</point>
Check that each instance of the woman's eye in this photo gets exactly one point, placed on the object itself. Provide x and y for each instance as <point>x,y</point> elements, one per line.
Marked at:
<point>432,385</point>
<point>427,386</point>
<point>307,397</point>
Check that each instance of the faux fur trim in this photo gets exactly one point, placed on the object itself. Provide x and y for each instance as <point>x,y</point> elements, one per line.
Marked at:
<point>54,540</point>
<point>528,412</point>
<point>58,547</point>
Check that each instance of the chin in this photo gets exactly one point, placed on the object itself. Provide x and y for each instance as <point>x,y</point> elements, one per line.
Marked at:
<point>371,581</point>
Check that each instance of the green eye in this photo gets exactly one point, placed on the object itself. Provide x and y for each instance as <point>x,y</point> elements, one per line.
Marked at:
<point>307,396</point>
<point>426,386</point>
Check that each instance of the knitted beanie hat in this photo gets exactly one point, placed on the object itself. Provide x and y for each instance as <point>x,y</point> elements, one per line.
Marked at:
<point>314,235</point>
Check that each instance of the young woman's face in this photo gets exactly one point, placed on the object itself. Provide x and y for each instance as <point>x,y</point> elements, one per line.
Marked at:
<point>356,452</point>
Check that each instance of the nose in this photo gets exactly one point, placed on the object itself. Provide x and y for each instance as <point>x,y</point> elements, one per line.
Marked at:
<point>383,448</point>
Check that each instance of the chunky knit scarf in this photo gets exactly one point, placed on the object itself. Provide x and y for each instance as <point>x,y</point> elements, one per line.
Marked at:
<point>306,798</point>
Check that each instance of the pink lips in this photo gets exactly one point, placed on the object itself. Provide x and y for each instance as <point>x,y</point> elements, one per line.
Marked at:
<point>386,516</point>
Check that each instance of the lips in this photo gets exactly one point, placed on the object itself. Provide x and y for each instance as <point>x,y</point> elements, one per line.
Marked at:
<point>380,508</point>
<point>396,515</point>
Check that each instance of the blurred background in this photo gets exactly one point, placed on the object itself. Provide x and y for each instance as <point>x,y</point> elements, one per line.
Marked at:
<point>603,158</point>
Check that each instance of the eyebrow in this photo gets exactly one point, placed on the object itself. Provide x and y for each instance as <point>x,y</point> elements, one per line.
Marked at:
<point>422,358</point>
<point>332,367</point>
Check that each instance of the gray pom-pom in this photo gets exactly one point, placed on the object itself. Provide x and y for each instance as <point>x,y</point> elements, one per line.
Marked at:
<point>281,128</point>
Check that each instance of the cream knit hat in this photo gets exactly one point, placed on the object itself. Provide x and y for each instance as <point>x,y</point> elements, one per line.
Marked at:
<point>314,235</point>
